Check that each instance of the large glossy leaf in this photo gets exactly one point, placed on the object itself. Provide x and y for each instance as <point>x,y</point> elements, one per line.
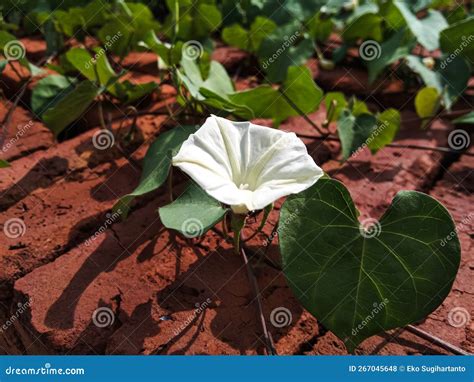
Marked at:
<point>425,30</point>
<point>71,107</point>
<point>156,164</point>
<point>360,282</point>
<point>193,213</point>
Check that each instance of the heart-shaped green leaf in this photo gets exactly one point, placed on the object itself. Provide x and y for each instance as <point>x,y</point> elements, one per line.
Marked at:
<point>193,213</point>
<point>71,106</point>
<point>357,281</point>
<point>156,164</point>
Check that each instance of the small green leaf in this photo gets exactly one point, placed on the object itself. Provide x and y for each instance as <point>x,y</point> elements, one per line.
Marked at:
<point>286,46</point>
<point>427,102</point>
<point>4,163</point>
<point>193,213</point>
<point>391,50</point>
<point>49,91</point>
<point>71,107</point>
<point>456,39</point>
<point>354,131</point>
<point>249,40</point>
<point>450,78</point>
<point>359,280</point>
<point>466,118</point>
<point>156,164</point>
<point>388,124</point>
<point>266,102</point>
<point>426,30</point>
<point>170,54</point>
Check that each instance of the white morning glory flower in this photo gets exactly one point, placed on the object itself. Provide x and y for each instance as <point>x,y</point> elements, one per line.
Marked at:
<point>244,165</point>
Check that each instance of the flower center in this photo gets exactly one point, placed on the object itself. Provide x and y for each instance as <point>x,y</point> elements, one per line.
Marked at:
<point>244,186</point>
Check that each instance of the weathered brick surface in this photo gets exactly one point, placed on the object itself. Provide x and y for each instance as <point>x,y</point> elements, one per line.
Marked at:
<point>24,134</point>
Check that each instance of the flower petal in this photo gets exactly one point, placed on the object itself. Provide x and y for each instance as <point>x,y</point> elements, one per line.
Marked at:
<point>245,165</point>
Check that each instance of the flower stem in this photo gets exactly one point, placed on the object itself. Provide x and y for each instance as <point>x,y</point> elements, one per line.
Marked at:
<point>237,222</point>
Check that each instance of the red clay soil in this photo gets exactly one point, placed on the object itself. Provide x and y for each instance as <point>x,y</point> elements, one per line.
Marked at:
<point>76,256</point>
